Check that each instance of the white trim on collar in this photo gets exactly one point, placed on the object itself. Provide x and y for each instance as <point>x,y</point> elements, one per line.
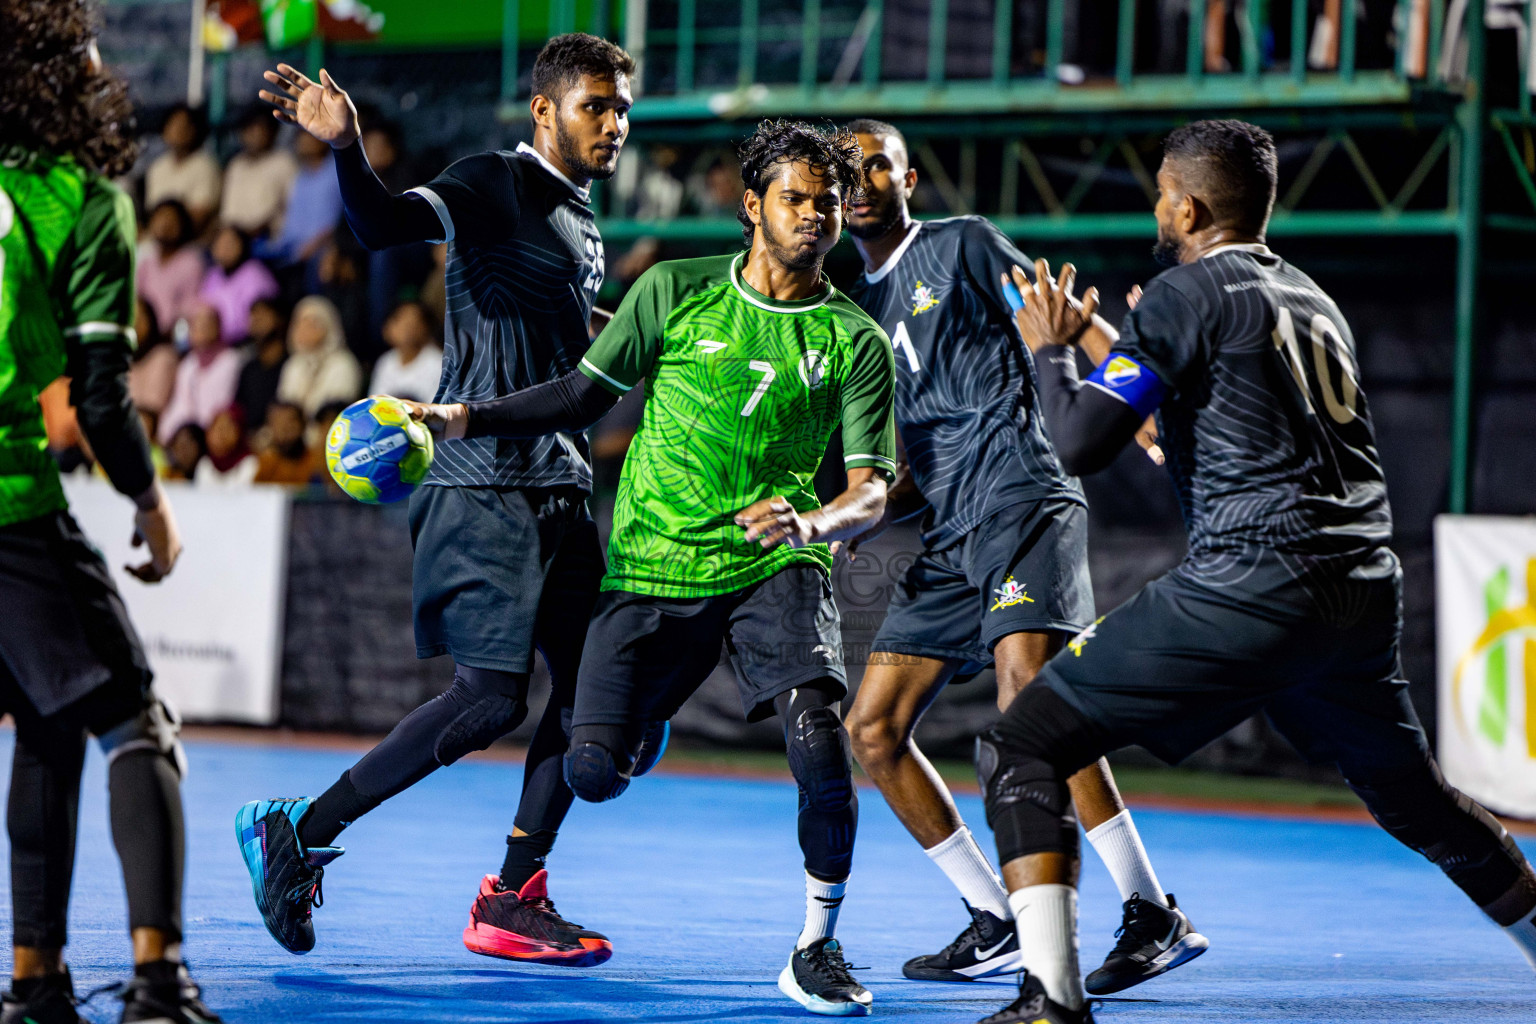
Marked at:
<point>895,258</point>
<point>1254,247</point>
<point>583,194</point>
<point>741,289</point>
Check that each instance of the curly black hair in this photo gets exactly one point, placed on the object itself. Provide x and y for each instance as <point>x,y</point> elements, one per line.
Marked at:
<point>55,101</point>
<point>830,149</point>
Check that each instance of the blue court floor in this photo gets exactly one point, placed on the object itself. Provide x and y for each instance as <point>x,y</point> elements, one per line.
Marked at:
<point>698,883</point>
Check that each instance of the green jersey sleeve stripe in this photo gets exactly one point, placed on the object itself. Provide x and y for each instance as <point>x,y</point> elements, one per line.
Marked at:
<point>101,329</point>
<point>877,458</point>
<point>587,368</point>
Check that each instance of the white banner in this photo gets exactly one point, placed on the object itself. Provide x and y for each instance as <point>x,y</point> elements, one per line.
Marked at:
<point>213,629</point>
<point>1485,611</point>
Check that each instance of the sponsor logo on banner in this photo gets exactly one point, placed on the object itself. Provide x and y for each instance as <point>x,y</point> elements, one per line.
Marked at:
<point>1486,607</point>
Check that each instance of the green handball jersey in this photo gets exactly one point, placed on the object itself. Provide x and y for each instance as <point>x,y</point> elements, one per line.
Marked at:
<point>742,395</point>
<point>66,272</point>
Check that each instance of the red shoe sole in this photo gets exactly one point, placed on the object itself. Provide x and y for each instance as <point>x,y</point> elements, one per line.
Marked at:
<point>505,945</point>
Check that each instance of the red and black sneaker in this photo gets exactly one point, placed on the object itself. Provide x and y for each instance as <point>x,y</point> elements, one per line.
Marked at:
<point>524,926</point>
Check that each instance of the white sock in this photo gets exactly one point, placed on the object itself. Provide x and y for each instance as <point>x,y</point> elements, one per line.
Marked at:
<point>961,860</point>
<point>1046,916</point>
<point>1523,933</point>
<point>822,902</point>
<point>1119,846</point>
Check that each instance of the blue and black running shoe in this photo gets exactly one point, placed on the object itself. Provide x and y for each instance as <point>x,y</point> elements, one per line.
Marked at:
<point>285,877</point>
<point>652,745</point>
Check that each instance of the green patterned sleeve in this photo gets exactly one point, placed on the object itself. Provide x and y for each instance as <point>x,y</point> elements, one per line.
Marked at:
<point>869,426</point>
<point>630,344</point>
<point>93,280</point>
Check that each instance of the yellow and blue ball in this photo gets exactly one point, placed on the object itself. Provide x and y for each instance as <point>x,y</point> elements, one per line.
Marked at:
<point>376,452</point>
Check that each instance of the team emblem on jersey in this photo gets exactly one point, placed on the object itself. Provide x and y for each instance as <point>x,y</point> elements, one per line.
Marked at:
<point>1120,370</point>
<point>1075,645</point>
<point>923,299</point>
<point>1010,594</point>
<point>813,369</point>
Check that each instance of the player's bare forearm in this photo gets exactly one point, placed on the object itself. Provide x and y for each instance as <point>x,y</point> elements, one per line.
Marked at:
<point>773,521</point>
<point>1098,339</point>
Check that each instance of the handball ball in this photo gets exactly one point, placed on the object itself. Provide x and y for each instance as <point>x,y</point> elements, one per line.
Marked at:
<point>376,452</point>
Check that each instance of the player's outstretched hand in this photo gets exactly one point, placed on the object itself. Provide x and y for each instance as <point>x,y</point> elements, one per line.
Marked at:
<point>774,521</point>
<point>321,108</point>
<point>448,421</point>
<point>1051,314</point>
<point>154,527</point>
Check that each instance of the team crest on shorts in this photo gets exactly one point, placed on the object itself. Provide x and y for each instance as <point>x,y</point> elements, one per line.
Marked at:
<point>923,299</point>
<point>1010,594</point>
<point>1075,645</point>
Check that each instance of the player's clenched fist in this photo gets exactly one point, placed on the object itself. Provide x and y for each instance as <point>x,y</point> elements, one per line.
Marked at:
<point>774,521</point>
<point>321,108</point>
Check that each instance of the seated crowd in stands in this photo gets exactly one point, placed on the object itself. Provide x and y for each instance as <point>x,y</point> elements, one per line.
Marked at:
<point>259,316</point>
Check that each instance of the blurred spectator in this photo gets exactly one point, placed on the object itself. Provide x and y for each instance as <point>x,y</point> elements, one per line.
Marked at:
<point>315,433</point>
<point>235,281</point>
<point>659,195</point>
<point>229,462</point>
<point>314,205</point>
<point>157,458</point>
<point>257,388</point>
<point>258,178</point>
<point>286,459</point>
<point>719,193</point>
<point>385,147</point>
<point>642,256</point>
<point>170,269</point>
<point>319,369</point>
<point>434,294</point>
<point>414,363</point>
<point>152,374</point>
<point>205,381</point>
<point>339,277</point>
<point>184,451</point>
<point>186,171</point>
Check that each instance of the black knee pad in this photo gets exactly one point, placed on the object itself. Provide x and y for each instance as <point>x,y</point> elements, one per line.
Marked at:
<point>820,759</point>
<point>1028,805</point>
<point>156,729</point>
<point>593,770</point>
<point>485,719</point>
<point>1425,813</point>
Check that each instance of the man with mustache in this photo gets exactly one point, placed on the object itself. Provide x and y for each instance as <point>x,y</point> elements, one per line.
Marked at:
<point>506,556</point>
<point>1003,575</point>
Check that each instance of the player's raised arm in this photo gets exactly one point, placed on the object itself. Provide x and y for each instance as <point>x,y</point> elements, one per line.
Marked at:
<point>1089,425</point>
<point>324,109</point>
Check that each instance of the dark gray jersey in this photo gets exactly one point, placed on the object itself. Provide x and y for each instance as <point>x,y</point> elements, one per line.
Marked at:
<point>524,265</point>
<point>1267,431</point>
<point>966,396</point>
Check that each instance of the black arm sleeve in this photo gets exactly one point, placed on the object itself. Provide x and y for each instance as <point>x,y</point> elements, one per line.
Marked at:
<point>1087,426</point>
<point>98,390</point>
<point>561,406</point>
<point>378,219</point>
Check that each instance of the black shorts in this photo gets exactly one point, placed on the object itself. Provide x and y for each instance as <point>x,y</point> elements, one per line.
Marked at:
<point>1024,569</point>
<point>65,638</point>
<point>1184,661</point>
<point>645,656</point>
<point>500,571</point>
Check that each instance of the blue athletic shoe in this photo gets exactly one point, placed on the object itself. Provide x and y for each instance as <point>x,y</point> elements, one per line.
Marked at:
<point>652,745</point>
<point>285,877</point>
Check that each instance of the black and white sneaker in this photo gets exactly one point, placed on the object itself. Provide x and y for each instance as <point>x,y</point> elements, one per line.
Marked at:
<point>817,978</point>
<point>989,946</point>
<point>46,1000</point>
<point>164,993</point>
<point>1154,939</point>
<point>1035,1007</point>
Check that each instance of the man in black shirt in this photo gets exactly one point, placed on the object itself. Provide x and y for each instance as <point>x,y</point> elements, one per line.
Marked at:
<point>506,557</point>
<point>1289,599</point>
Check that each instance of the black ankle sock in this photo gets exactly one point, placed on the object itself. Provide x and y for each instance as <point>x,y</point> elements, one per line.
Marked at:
<point>27,989</point>
<point>525,856</point>
<point>159,972</point>
<point>333,811</point>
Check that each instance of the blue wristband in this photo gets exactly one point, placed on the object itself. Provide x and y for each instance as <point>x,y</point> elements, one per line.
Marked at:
<point>1131,382</point>
<point>1011,293</point>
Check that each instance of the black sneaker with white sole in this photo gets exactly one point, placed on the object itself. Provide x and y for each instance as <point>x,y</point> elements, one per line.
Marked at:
<point>46,1000</point>
<point>989,946</point>
<point>1035,1007</point>
<point>1154,939</point>
<point>817,978</point>
<point>164,993</point>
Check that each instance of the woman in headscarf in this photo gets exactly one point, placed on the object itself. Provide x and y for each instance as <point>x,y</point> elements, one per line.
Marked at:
<point>320,369</point>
